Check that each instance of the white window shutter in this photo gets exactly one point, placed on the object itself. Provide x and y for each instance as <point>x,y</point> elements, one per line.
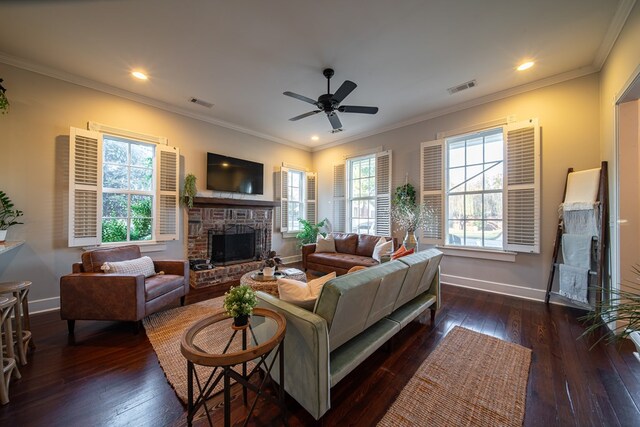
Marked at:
<point>339,198</point>
<point>167,193</point>
<point>522,182</point>
<point>311,202</point>
<point>432,189</point>
<point>282,195</point>
<point>85,187</point>
<point>383,193</point>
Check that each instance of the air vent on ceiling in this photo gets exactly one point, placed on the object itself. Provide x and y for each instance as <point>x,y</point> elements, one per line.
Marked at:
<point>201,103</point>
<point>463,86</point>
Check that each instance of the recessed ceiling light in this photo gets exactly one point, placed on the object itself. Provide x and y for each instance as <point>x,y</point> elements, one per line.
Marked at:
<point>525,65</point>
<point>139,75</point>
<point>315,138</point>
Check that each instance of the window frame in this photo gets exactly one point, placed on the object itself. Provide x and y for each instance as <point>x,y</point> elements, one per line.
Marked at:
<point>465,137</point>
<point>303,198</point>
<point>349,191</point>
<point>129,192</point>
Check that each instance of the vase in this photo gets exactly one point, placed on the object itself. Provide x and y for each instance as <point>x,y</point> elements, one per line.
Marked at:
<point>241,320</point>
<point>410,240</point>
<point>3,235</point>
<point>268,271</point>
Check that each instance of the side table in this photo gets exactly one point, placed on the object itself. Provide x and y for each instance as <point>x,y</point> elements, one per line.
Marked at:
<point>191,346</point>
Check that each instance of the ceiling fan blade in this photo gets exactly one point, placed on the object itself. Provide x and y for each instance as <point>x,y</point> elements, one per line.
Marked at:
<point>357,109</point>
<point>300,97</point>
<point>335,121</point>
<point>347,87</point>
<point>302,116</point>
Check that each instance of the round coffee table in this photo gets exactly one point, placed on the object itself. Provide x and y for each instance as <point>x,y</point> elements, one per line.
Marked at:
<point>241,348</point>
<point>269,285</point>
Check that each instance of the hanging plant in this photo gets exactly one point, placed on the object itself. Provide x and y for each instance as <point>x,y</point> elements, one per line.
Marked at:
<point>4,102</point>
<point>189,190</point>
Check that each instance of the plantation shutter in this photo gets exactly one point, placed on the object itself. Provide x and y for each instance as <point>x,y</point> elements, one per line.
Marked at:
<point>167,197</point>
<point>432,189</point>
<point>522,177</point>
<point>282,195</point>
<point>311,205</point>
<point>85,187</point>
<point>383,193</point>
<point>339,198</point>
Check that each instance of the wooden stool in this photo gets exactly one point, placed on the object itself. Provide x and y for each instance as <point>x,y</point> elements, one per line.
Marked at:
<point>7,364</point>
<point>20,290</point>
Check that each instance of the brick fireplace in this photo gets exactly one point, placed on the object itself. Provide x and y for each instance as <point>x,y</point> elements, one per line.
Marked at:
<point>212,217</point>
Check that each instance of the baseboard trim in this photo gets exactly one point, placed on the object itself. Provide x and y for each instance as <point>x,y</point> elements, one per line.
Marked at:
<point>44,305</point>
<point>493,287</point>
<point>291,259</point>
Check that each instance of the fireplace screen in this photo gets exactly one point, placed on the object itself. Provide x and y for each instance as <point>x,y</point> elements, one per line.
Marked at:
<point>233,244</point>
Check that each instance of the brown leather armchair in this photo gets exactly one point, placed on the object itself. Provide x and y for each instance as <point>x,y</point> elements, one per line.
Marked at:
<point>89,294</point>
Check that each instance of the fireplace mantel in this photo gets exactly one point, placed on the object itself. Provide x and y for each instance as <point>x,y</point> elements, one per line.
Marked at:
<point>210,202</point>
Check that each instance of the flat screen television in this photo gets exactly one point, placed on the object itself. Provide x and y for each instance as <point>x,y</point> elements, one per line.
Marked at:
<point>233,175</point>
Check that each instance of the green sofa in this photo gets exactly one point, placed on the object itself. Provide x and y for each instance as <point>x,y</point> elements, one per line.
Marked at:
<point>354,315</point>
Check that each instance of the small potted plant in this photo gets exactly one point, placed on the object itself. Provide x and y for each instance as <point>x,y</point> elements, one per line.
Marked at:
<point>8,215</point>
<point>239,303</point>
<point>189,190</point>
<point>270,263</point>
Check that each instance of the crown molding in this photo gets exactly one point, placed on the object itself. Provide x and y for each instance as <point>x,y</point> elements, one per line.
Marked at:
<point>615,27</point>
<point>112,90</point>
<point>538,84</point>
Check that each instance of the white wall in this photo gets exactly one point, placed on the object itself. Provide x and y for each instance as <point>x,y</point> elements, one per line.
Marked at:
<point>34,148</point>
<point>569,119</point>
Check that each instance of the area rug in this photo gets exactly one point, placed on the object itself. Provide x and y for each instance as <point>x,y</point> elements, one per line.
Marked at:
<point>165,330</point>
<point>470,379</point>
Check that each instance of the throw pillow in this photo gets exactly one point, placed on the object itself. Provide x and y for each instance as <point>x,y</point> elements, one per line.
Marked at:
<point>296,292</point>
<point>315,285</point>
<point>142,265</point>
<point>325,244</point>
<point>382,248</point>
<point>405,253</point>
<point>398,252</point>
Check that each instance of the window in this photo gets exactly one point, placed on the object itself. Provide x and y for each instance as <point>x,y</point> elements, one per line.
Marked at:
<point>474,183</point>
<point>121,189</point>
<point>127,190</point>
<point>297,196</point>
<point>362,195</point>
<point>296,199</point>
<point>484,188</point>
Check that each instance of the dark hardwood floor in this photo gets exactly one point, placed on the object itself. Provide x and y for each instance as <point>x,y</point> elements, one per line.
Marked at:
<point>108,376</point>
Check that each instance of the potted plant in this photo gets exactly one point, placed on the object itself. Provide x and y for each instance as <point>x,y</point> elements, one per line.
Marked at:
<point>310,231</point>
<point>270,263</point>
<point>622,308</point>
<point>409,215</point>
<point>8,215</point>
<point>189,190</point>
<point>239,303</point>
<point>4,102</point>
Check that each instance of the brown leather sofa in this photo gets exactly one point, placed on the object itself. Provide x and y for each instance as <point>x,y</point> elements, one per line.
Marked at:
<point>351,250</point>
<point>89,294</point>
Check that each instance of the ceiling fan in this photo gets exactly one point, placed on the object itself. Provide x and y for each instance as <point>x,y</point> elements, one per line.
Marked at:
<point>329,103</point>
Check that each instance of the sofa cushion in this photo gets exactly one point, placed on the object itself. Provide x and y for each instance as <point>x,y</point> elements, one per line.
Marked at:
<point>383,248</point>
<point>340,260</point>
<point>346,243</point>
<point>366,243</point>
<point>302,294</point>
<point>93,260</point>
<point>142,265</point>
<point>161,284</point>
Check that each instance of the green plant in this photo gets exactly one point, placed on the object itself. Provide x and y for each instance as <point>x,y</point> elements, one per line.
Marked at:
<point>4,102</point>
<point>405,195</point>
<point>240,301</point>
<point>622,307</point>
<point>8,215</point>
<point>189,189</point>
<point>310,231</point>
